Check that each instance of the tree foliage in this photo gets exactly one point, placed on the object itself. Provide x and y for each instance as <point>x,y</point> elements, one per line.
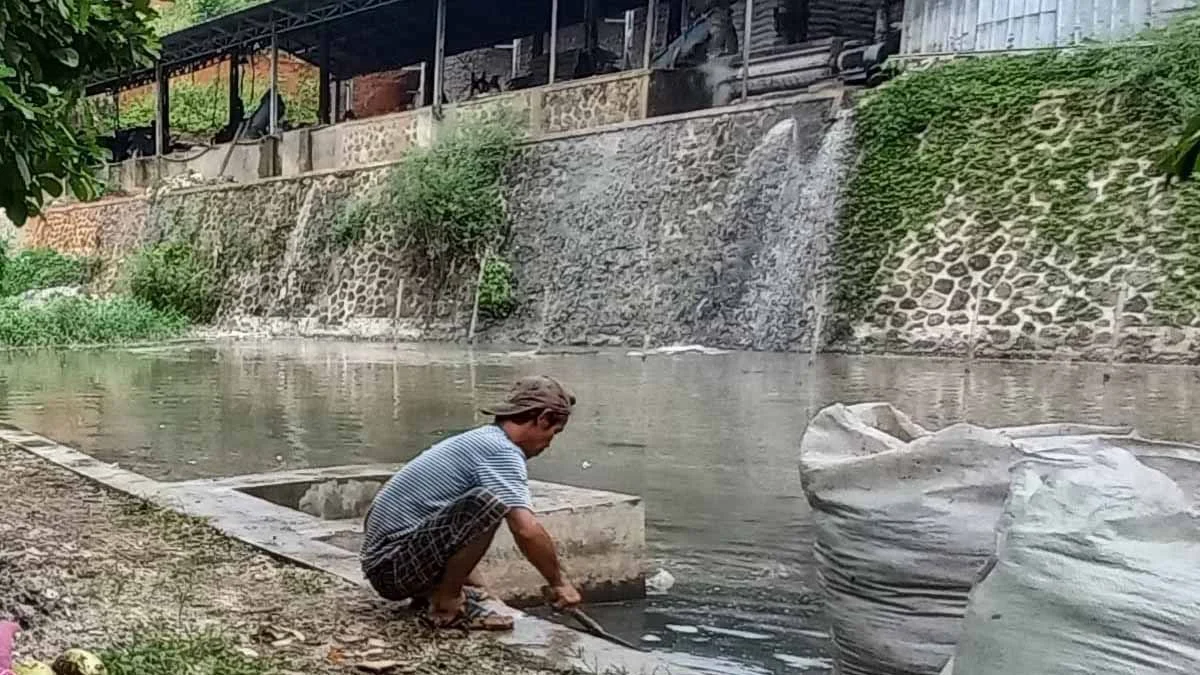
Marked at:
<point>47,49</point>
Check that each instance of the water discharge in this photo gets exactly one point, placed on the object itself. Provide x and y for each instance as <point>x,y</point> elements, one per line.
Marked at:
<point>710,441</point>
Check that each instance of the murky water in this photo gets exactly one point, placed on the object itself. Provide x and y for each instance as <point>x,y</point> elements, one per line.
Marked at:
<point>709,441</point>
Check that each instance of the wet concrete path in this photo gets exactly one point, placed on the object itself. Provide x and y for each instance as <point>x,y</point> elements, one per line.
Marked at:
<point>709,441</point>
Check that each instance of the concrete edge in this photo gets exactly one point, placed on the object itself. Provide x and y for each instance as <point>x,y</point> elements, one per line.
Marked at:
<point>532,634</point>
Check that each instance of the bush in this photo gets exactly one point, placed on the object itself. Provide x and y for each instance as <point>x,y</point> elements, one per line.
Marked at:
<point>171,277</point>
<point>66,321</point>
<point>444,200</point>
<point>41,268</point>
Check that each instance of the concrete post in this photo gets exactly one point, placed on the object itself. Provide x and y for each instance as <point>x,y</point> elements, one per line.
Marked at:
<point>651,21</point>
<point>553,40</point>
<point>439,58</point>
<point>746,42</point>
<point>516,59</point>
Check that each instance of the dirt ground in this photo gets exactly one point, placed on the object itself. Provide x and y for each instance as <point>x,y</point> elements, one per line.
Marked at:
<point>83,566</point>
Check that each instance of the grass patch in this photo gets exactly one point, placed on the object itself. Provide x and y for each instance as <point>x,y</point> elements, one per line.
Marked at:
<point>69,321</point>
<point>210,653</point>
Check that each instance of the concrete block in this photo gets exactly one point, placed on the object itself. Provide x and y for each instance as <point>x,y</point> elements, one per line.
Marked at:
<point>601,536</point>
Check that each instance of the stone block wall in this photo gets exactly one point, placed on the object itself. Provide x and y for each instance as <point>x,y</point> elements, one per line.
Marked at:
<point>708,228</point>
<point>592,103</point>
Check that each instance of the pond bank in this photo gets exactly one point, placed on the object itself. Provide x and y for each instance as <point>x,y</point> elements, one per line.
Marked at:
<point>85,566</point>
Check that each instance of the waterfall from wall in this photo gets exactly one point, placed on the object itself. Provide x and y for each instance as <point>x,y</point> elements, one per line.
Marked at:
<point>713,230</point>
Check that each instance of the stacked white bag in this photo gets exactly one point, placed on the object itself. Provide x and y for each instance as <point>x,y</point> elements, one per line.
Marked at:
<point>1097,571</point>
<point>906,523</point>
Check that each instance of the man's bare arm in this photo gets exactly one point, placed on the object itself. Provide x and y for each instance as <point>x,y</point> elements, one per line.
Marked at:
<point>537,546</point>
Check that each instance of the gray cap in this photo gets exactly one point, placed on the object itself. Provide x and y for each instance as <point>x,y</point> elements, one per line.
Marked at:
<point>536,392</point>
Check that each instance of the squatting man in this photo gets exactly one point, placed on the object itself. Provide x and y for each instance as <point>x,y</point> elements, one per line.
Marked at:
<point>433,521</point>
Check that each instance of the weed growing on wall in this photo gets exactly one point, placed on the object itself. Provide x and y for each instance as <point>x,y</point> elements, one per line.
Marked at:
<point>496,297</point>
<point>41,268</point>
<point>1061,147</point>
<point>66,321</point>
<point>171,277</point>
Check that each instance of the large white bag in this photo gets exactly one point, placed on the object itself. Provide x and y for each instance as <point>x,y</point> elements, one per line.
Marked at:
<point>905,522</point>
<point>1097,571</point>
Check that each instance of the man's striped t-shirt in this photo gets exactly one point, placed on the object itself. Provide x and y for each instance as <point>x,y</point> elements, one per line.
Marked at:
<point>483,457</point>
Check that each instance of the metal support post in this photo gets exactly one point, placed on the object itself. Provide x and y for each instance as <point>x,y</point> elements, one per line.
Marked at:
<point>746,42</point>
<point>553,40</point>
<point>651,25</point>
<point>439,58</point>
<point>323,116</point>
<point>274,103</point>
<point>162,109</point>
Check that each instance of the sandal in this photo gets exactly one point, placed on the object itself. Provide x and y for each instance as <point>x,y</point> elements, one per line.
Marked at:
<point>472,616</point>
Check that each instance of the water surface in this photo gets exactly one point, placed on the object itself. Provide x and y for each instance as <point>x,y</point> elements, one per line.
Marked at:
<point>710,442</point>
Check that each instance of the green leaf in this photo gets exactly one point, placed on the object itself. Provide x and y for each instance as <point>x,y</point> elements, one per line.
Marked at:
<point>22,167</point>
<point>51,185</point>
<point>67,56</point>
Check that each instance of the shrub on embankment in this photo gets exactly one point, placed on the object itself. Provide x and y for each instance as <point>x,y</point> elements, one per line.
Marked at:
<point>38,268</point>
<point>1058,151</point>
<point>74,319</point>
<point>171,278</point>
<point>77,320</point>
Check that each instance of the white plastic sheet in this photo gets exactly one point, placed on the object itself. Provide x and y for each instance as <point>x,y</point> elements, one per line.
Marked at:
<point>1097,571</point>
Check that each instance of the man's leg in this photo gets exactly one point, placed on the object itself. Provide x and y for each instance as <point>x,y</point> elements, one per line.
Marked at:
<point>447,599</point>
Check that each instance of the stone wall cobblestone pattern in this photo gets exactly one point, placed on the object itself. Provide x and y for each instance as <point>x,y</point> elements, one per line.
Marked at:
<point>380,139</point>
<point>995,284</point>
<point>587,105</point>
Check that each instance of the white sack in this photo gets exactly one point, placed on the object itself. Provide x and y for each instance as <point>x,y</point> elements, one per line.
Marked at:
<point>1097,571</point>
<point>905,522</point>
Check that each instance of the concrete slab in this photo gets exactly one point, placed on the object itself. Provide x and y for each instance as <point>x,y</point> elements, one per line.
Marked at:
<point>602,536</point>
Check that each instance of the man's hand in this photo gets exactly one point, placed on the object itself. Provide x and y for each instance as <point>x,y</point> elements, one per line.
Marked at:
<point>565,596</point>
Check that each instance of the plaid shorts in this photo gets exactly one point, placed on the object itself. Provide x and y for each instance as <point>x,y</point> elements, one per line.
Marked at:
<point>413,563</point>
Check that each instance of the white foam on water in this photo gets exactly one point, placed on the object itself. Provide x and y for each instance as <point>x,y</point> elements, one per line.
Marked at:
<point>805,662</point>
<point>745,635</point>
<point>686,630</point>
<point>711,666</point>
<point>651,638</point>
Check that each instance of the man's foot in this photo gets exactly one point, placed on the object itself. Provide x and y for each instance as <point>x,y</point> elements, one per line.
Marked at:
<point>420,603</point>
<point>471,615</point>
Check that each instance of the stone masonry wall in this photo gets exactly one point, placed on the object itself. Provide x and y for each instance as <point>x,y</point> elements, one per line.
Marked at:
<point>705,228</point>
<point>985,279</point>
